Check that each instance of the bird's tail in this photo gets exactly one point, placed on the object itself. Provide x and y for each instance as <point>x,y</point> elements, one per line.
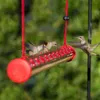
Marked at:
<point>98,55</point>
<point>95,46</point>
<point>95,54</point>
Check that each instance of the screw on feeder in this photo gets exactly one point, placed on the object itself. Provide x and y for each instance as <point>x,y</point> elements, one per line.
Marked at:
<point>66,18</point>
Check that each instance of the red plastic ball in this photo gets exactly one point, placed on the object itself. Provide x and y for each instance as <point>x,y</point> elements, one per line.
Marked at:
<point>19,70</point>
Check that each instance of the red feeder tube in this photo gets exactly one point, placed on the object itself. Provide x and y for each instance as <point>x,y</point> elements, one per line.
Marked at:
<point>19,70</point>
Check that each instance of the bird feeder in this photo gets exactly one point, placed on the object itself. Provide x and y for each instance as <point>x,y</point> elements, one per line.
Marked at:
<point>21,69</point>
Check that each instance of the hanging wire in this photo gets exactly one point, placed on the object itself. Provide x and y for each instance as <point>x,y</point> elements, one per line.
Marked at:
<point>89,56</point>
<point>66,18</point>
<point>23,27</point>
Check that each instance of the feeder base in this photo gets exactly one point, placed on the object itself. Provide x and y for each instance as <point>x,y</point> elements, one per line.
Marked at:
<point>19,70</point>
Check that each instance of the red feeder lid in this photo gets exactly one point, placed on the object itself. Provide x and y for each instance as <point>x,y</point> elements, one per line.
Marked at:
<point>19,70</point>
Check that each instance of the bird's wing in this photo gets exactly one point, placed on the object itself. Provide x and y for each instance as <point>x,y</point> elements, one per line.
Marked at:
<point>29,46</point>
<point>31,43</point>
<point>75,43</point>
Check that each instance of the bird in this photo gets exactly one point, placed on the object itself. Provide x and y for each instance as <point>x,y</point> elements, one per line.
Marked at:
<point>48,46</point>
<point>33,49</point>
<point>84,45</point>
<point>42,48</point>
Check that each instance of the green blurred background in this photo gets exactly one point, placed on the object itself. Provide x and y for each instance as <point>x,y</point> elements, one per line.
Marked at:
<point>43,21</point>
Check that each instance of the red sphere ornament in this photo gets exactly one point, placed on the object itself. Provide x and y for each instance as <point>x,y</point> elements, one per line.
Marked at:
<point>19,70</point>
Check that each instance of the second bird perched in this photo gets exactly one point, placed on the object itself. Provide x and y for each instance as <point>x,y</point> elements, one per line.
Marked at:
<point>84,45</point>
<point>43,48</point>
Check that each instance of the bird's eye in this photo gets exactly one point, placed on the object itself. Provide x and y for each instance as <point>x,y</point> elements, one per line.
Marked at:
<point>55,44</point>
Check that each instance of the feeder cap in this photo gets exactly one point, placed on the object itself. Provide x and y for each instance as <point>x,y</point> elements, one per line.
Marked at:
<point>19,70</point>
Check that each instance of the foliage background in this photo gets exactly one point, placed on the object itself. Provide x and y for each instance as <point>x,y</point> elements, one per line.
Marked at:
<point>44,21</point>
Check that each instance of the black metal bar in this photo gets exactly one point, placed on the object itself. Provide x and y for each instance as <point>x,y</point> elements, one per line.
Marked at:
<point>89,56</point>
